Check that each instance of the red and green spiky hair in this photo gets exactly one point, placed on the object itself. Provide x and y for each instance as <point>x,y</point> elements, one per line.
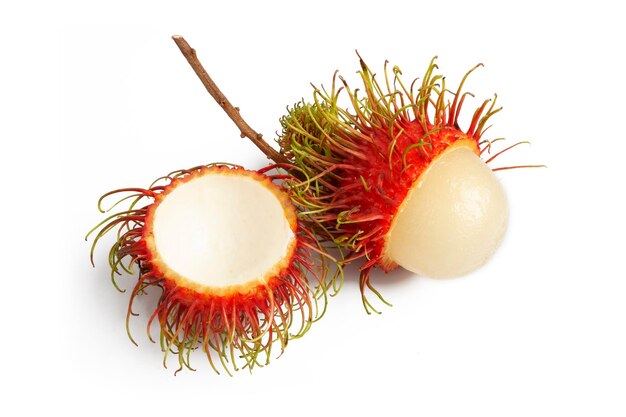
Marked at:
<point>362,161</point>
<point>233,324</point>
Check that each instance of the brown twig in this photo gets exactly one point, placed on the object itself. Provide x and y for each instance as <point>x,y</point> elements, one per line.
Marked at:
<point>220,98</point>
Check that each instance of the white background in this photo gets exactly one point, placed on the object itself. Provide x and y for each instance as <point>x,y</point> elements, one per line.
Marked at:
<point>98,97</point>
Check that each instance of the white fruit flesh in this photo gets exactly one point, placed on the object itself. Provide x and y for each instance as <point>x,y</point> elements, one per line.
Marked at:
<point>222,230</point>
<point>452,220</point>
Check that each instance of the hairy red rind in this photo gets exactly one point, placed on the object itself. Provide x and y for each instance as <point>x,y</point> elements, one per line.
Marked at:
<point>363,160</point>
<point>232,324</point>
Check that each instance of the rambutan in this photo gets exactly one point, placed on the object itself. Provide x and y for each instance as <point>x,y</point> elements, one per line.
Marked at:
<point>393,178</point>
<point>397,181</point>
<point>237,266</point>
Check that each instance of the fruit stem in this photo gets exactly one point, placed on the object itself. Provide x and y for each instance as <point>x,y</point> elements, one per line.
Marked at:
<point>220,98</point>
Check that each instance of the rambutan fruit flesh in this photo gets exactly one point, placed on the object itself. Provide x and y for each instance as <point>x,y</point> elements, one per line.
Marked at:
<point>237,268</point>
<point>397,181</point>
<point>452,219</point>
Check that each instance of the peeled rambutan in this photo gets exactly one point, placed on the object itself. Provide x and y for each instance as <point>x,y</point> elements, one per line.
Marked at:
<point>237,266</point>
<point>397,181</point>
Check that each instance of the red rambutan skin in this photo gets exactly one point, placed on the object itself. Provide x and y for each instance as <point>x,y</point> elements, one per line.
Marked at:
<point>229,323</point>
